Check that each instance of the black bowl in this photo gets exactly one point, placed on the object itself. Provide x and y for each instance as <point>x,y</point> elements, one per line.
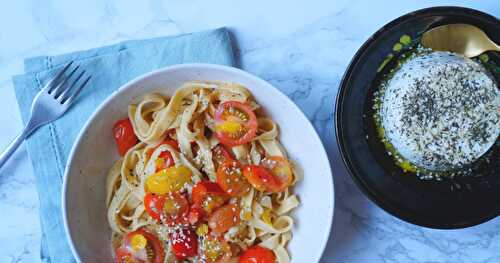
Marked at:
<point>450,203</point>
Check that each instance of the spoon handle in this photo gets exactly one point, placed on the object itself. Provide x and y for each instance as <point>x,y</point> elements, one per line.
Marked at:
<point>496,47</point>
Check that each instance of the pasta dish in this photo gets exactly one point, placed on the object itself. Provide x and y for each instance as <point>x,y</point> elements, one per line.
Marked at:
<point>202,178</point>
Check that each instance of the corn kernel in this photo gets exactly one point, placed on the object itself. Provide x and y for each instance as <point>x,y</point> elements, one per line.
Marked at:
<point>202,230</point>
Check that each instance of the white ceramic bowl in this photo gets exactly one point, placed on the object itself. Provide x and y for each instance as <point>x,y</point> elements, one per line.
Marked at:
<point>94,152</point>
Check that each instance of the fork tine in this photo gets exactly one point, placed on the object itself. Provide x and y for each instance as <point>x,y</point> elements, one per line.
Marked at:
<point>62,86</point>
<point>66,93</point>
<point>72,98</point>
<point>56,80</point>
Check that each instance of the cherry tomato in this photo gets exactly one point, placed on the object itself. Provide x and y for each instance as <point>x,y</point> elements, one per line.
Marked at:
<point>221,155</point>
<point>153,205</point>
<point>224,218</point>
<point>257,254</point>
<point>209,196</point>
<point>124,136</point>
<point>260,178</point>
<point>165,159</point>
<point>281,170</point>
<point>172,208</point>
<point>216,249</point>
<point>231,180</point>
<point>140,246</point>
<point>184,243</point>
<point>169,180</point>
<point>196,214</point>
<point>175,209</point>
<point>235,123</point>
<point>204,188</point>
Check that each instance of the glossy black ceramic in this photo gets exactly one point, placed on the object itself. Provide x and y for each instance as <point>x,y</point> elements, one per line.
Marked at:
<point>446,204</point>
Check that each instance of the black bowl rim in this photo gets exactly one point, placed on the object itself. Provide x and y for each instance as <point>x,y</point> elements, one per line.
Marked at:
<point>396,211</point>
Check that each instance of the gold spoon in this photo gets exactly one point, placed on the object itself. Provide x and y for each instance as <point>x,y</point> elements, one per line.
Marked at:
<point>464,39</point>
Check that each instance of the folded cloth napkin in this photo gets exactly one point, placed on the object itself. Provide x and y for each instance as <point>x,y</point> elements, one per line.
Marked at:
<point>110,67</point>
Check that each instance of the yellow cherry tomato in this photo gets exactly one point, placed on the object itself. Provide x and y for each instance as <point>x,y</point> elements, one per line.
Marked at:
<point>168,180</point>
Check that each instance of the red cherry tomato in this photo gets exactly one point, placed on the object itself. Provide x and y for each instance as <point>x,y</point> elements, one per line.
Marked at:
<point>204,188</point>
<point>260,178</point>
<point>231,180</point>
<point>221,155</point>
<point>153,205</point>
<point>235,123</point>
<point>152,252</point>
<point>257,254</point>
<point>124,136</point>
<point>216,249</point>
<point>184,243</point>
<point>166,157</point>
<point>175,209</point>
<point>196,214</point>
<point>209,196</point>
<point>281,170</point>
<point>224,218</point>
<point>172,208</point>
<point>164,161</point>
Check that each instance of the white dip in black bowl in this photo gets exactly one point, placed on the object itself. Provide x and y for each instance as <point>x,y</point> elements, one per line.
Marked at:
<point>440,111</point>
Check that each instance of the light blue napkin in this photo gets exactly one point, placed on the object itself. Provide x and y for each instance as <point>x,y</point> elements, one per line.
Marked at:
<point>110,67</point>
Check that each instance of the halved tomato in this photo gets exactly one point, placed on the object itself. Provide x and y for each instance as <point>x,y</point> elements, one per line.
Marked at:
<point>175,209</point>
<point>257,254</point>
<point>124,136</point>
<point>208,196</point>
<point>235,123</point>
<point>196,214</point>
<point>216,249</point>
<point>172,179</point>
<point>231,180</point>
<point>204,188</point>
<point>184,243</point>
<point>224,218</point>
<point>281,170</point>
<point>165,159</point>
<point>140,246</point>
<point>172,208</point>
<point>221,155</point>
<point>153,205</point>
<point>260,178</point>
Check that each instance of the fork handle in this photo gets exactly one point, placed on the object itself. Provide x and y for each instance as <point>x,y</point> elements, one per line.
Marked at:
<point>30,127</point>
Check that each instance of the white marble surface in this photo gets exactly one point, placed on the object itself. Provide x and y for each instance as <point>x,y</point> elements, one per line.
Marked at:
<point>302,47</point>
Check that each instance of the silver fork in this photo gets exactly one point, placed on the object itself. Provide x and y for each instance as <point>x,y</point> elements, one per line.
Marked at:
<point>50,103</point>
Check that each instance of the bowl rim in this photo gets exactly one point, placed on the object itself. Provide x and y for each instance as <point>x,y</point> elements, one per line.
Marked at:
<point>231,70</point>
<point>396,211</point>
